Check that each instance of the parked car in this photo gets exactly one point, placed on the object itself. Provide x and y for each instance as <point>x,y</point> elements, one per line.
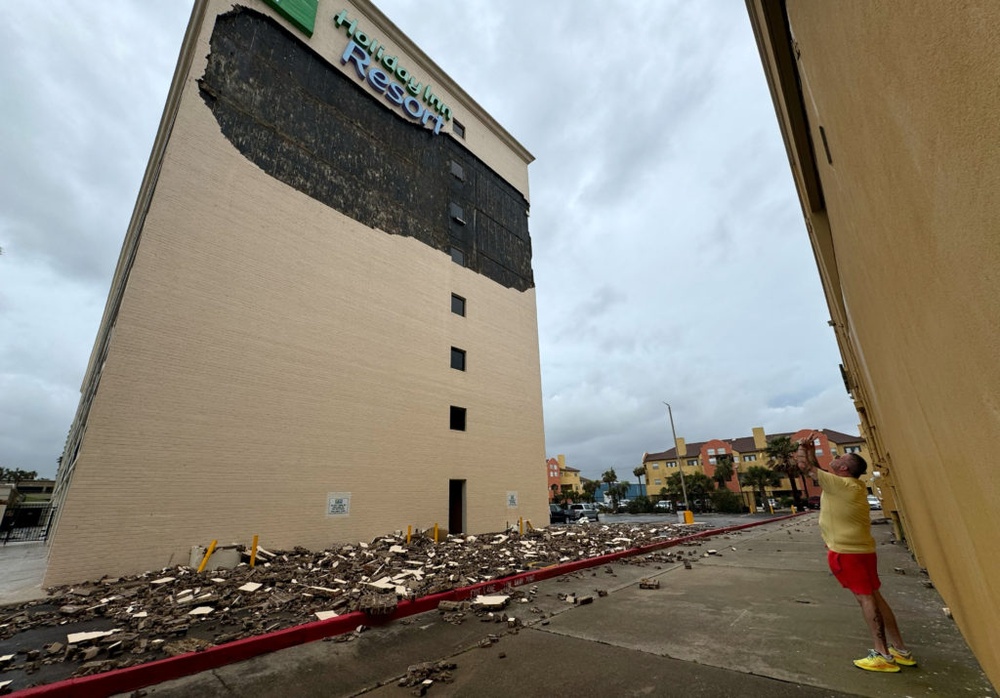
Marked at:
<point>584,510</point>
<point>558,514</point>
<point>665,505</point>
<point>873,502</point>
<point>813,502</point>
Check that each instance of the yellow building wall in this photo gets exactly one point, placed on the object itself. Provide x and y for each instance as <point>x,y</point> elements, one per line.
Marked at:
<point>889,113</point>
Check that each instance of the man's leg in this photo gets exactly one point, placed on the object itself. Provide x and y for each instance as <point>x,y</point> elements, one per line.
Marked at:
<point>870,608</point>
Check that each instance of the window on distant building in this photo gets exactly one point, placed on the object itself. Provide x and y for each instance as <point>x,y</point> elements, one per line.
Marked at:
<point>457,418</point>
<point>458,128</point>
<point>457,256</point>
<point>672,464</point>
<point>456,212</point>
<point>736,458</point>
<point>819,451</point>
<point>711,451</point>
<point>458,359</point>
<point>457,305</point>
<point>750,457</point>
<point>457,171</point>
<point>656,482</point>
<point>656,466</point>
<point>712,461</point>
<point>692,461</point>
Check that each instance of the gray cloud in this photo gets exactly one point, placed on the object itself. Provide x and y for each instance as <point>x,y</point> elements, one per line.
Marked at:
<point>670,256</point>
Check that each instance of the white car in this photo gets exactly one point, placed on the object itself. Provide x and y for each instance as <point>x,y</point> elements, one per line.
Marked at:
<point>873,502</point>
<point>665,505</point>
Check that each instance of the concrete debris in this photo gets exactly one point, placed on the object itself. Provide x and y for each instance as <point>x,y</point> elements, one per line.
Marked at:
<point>646,583</point>
<point>114,623</point>
<point>494,602</point>
<point>422,676</point>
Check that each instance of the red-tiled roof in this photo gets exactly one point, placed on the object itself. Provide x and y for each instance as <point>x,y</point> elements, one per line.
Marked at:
<point>746,444</point>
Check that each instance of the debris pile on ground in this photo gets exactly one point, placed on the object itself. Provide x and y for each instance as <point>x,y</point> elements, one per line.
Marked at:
<point>118,622</point>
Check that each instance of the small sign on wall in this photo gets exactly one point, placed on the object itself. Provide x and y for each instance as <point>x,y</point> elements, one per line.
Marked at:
<point>338,504</point>
<point>512,500</point>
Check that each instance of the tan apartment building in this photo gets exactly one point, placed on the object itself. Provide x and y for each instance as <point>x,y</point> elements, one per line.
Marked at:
<point>322,325</point>
<point>746,452</point>
<point>889,115</point>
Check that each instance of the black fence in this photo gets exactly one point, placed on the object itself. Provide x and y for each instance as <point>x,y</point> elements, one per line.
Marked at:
<point>27,521</point>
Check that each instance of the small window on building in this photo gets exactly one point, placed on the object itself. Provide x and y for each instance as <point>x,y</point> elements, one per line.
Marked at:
<point>657,481</point>
<point>457,305</point>
<point>712,461</point>
<point>656,466</point>
<point>457,214</point>
<point>457,256</point>
<point>711,451</point>
<point>672,464</point>
<point>457,171</point>
<point>457,359</point>
<point>819,451</point>
<point>736,458</point>
<point>693,461</point>
<point>458,128</point>
<point>457,418</point>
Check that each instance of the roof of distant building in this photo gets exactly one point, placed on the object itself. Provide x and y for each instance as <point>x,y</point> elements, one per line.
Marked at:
<point>745,444</point>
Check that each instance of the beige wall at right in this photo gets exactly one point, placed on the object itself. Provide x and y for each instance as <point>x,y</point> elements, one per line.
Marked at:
<point>908,99</point>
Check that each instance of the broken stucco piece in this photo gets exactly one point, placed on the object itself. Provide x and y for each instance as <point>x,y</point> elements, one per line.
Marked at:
<point>250,586</point>
<point>323,615</point>
<point>495,601</point>
<point>201,611</point>
<point>77,638</point>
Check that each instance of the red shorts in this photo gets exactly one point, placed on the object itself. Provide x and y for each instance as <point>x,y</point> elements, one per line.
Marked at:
<point>855,571</point>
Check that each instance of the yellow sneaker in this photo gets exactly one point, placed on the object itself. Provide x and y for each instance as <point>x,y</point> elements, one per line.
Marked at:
<point>902,658</point>
<point>876,662</point>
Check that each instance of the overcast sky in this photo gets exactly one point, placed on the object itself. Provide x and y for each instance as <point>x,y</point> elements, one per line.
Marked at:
<point>671,260</point>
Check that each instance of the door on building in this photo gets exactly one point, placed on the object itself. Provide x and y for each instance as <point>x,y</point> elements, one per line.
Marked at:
<point>456,506</point>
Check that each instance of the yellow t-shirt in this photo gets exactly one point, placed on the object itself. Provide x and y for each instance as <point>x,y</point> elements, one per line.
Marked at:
<point>844,515</point>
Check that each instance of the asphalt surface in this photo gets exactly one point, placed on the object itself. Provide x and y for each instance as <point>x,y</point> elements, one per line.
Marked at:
<point>761,617</point>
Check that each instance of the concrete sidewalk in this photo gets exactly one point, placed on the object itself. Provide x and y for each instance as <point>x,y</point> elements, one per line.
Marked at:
<point>22,566</point>
<point>763,617</point>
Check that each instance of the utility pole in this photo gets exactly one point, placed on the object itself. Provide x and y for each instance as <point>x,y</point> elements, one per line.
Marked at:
<point>680,463</point>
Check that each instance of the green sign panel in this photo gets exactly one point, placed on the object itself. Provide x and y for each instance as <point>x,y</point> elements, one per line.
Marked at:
<point>301,13</point>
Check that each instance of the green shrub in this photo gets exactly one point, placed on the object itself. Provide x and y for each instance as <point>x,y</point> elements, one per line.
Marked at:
<point>727,502</point>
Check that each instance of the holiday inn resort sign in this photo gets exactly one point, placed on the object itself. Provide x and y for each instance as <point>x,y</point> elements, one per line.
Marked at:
<point>414,99</point>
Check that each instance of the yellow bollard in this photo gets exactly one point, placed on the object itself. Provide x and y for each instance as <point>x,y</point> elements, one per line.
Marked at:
<point>208,554</point>
<point>688,516</point>
<point>253,551</point>
<point>409,530</point>
<point>435,533</point>
<point>520,525</point>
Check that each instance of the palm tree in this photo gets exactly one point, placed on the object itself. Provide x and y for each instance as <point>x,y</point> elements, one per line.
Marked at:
<point>780,453</point>
<point>640,472</point>
<point>723,469</point>
<point>610,478</point>
<point>759,477</point>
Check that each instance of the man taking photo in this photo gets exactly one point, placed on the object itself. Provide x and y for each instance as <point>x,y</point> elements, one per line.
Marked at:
<point>845,524</point>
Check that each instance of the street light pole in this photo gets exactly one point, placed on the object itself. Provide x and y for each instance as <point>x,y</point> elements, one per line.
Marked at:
<point>680,463</point>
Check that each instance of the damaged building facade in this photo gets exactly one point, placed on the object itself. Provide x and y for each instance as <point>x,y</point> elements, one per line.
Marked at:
<point>322,324</point>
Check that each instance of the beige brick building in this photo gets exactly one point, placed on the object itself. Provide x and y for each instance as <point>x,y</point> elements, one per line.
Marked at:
<point>322,324</point>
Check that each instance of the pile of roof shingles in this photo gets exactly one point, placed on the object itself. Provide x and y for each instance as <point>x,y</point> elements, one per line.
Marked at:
<point>112,623</point>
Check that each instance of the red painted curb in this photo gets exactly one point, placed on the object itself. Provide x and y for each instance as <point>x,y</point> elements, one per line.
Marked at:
<point>141,675</point>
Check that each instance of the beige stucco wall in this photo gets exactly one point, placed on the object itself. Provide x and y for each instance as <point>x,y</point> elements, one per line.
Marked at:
<point>908,249</point>
<point>269,350</point>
